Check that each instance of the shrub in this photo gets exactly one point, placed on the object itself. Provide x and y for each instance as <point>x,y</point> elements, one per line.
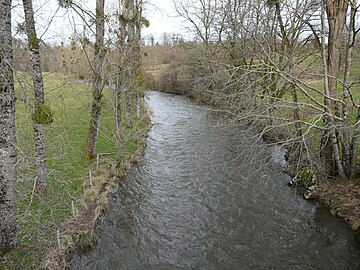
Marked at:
<point>305,182</point>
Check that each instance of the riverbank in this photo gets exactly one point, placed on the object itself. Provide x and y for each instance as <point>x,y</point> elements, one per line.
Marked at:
<point>342,199</point>
<point>54,224</point>
<point>78,232</point>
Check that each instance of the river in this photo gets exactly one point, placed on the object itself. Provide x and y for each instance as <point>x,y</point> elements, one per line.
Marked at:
<point>210,196</point>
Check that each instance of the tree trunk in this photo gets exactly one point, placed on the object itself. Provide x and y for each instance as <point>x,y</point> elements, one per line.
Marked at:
<point>98,85</point>
<point>122,79</point>
<point>138,105</point>
<point>39,97</point>
<point>336,18</point>
<point>128,110</point>
<point>119,131</point>
<point>8,174</point>
<point>296,111</point>
<point>137,43</point>
<point>129,89</point>
<point>347,155</point>
<point>353,147</point>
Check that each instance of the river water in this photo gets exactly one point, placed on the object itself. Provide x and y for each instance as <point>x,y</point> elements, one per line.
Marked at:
<point>211,196</point>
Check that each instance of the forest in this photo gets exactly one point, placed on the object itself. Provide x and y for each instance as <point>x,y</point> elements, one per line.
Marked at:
<point>73,118</point>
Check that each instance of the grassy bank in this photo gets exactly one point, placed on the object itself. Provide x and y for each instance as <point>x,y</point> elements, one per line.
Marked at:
<point>72,196</point>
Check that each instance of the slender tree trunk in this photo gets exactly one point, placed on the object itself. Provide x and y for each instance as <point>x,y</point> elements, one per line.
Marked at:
<point>98,84</point>
<point>119,130</point>
<point>129,13</point>
<point>121,81</point>
<point>39,97</point>
<point>138,17</point>
<point>287,49</point>
<point>296,111</point>
<point>348,154</point>
<point>353,146</point>
<point>8,174</point>
<point>138,105</point>
<point>128,110</point>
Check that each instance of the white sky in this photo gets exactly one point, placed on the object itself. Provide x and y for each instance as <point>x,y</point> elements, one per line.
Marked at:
<point>160,13</point>
<point>162,17</point>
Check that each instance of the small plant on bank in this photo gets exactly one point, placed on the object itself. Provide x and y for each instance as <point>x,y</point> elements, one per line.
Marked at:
<point>305,182</point>
<point>85,240</point>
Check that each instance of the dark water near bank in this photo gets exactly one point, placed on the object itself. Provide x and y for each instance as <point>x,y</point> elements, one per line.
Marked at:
<point>207,196</point>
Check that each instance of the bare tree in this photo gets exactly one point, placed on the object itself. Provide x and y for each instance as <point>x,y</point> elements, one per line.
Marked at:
<point>98,82</point>
<point>118,116</point>
<point>42,113</point>
<point>350,136</point>
<point>257,61</point>
<point>336,17</point>
<point>130,24</point>
<point>120,74</point>
<point>202,16</point>
<point>8,173</point>
<point>138,24</point>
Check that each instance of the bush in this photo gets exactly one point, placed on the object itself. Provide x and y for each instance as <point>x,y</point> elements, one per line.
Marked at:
<point>305,182</point>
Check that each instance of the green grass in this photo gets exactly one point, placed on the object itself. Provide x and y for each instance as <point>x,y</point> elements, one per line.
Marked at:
<point>308,113</point>
<point>40,218</point>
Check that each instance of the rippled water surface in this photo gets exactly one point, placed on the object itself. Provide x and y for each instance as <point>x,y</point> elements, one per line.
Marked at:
<point>209,196</point>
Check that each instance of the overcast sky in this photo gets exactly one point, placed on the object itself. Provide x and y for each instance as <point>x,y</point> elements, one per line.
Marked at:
<point>162,16</point>
<point>160,13</point>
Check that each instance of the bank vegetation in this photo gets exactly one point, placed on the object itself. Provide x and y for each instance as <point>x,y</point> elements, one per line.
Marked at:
<point>289,69</point>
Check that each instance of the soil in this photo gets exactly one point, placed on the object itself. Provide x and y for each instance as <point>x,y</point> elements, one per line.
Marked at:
<point>343,200</point>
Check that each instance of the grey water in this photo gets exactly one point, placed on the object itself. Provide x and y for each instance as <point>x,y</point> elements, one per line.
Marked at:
<point>207,195</point>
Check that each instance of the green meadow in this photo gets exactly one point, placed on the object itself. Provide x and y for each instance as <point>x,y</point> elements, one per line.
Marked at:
<point>41,218</point>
